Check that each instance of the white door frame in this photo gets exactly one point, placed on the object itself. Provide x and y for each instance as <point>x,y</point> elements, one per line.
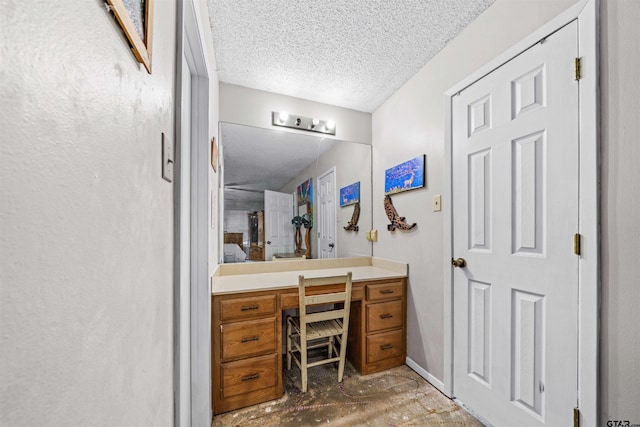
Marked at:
<point>190,44</point>
<point>335,207</point>
<point>586,12</point>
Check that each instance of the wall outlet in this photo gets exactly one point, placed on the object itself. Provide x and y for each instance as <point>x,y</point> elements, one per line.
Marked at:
<point>437,203</point>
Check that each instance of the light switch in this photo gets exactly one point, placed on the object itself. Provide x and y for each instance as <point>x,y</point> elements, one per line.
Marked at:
<point>167,159</point>
<point>437,203</point>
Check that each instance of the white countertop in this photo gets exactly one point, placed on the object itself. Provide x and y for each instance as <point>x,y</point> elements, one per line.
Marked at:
<point>263,280</point>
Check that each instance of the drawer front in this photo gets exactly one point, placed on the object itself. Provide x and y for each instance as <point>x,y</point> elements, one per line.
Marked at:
<point>248,375</point>
<point>242,308</point>
<point>357,293</point>
<point>382,291</point>
<point>289,300</point>
<point>384,346</point>
<point>384,315</point>
<point>249,338</point>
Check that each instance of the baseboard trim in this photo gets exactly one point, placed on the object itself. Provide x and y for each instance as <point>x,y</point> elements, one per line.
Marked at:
<point>426,375</point>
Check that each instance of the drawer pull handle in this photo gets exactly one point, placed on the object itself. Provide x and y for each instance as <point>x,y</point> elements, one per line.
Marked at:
<point>386,347</point>
<point>386,316</point>
<point>251,377</point>
<point>250,307</point>
<point>386,291</point>
<point>249,339</point>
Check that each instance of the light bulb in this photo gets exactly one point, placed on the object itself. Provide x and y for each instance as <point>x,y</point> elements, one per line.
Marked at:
<point>283,116</point>
<point>330,124</point>
<point>315,122</point>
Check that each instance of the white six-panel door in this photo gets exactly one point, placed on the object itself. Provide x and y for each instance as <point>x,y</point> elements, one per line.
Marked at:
<point>327,214</point>
<point>515,204</point>
<point>278,213</point>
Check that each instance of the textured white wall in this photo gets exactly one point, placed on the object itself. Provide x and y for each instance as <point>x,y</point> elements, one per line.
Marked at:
<point>410,123</point>
<point>86,239</point>
<point>620,313</point>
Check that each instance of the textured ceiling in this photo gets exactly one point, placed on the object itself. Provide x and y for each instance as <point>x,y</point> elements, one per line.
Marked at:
<point>349,53</point>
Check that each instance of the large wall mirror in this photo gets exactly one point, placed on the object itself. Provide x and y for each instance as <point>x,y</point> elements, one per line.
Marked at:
<point>282,195</point>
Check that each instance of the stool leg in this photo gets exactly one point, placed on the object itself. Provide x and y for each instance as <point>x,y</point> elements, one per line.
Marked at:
<point>303,362</point>
<point>343,356</point>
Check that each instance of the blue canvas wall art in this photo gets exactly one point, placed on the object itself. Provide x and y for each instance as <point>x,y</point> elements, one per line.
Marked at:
<point>304,197</point>
<point>350,194</point>
<point>405,176</point>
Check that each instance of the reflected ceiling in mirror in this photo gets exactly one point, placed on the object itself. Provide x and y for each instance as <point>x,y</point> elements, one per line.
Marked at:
<point>257,159</point>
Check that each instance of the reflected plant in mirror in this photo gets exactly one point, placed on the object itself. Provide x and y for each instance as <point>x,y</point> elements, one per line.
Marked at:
<point>262,170</point>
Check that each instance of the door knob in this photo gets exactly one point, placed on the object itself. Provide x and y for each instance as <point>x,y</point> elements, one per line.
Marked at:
<point>268,242</point>
<point>460,262</point>
<point>331,245</point>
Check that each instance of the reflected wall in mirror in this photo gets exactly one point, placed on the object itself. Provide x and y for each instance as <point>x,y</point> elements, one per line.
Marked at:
<point>258,161</point>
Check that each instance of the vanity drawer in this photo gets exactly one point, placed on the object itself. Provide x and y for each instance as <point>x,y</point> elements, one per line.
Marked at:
<point>382,291</point>
<point>384,315</point>
<point>242,308</point>
<point>249,338</point>
<point>248,375</point>
<point>384,346</point>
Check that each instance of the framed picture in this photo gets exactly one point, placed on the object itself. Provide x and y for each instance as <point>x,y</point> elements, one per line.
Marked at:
<point>405,176</point>
<point>136,19</point>
<point>214,154</point>
<point>350,194</point>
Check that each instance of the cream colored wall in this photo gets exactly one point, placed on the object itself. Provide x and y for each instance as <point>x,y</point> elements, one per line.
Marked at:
<point>352,163</point>
<point>620,200</point>
<point>410,123</point>
<point>253,107</point>
<point>86,237</point>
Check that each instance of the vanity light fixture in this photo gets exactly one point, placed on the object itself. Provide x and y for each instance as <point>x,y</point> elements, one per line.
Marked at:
<point>283,119</point>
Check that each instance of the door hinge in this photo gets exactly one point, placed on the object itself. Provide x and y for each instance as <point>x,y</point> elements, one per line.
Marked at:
<point>576,417</point>
<point>577,244</point>
<point>577,68</point>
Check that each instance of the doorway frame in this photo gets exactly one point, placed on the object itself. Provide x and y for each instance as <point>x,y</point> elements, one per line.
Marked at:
<point>333,170</point>
<point>189,43</point>
<point>586,14</point>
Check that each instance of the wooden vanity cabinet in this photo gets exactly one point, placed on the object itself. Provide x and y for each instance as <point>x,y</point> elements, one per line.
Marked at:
<point>246,356</point>
<point>378,327</point>
<point>246,332</point>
